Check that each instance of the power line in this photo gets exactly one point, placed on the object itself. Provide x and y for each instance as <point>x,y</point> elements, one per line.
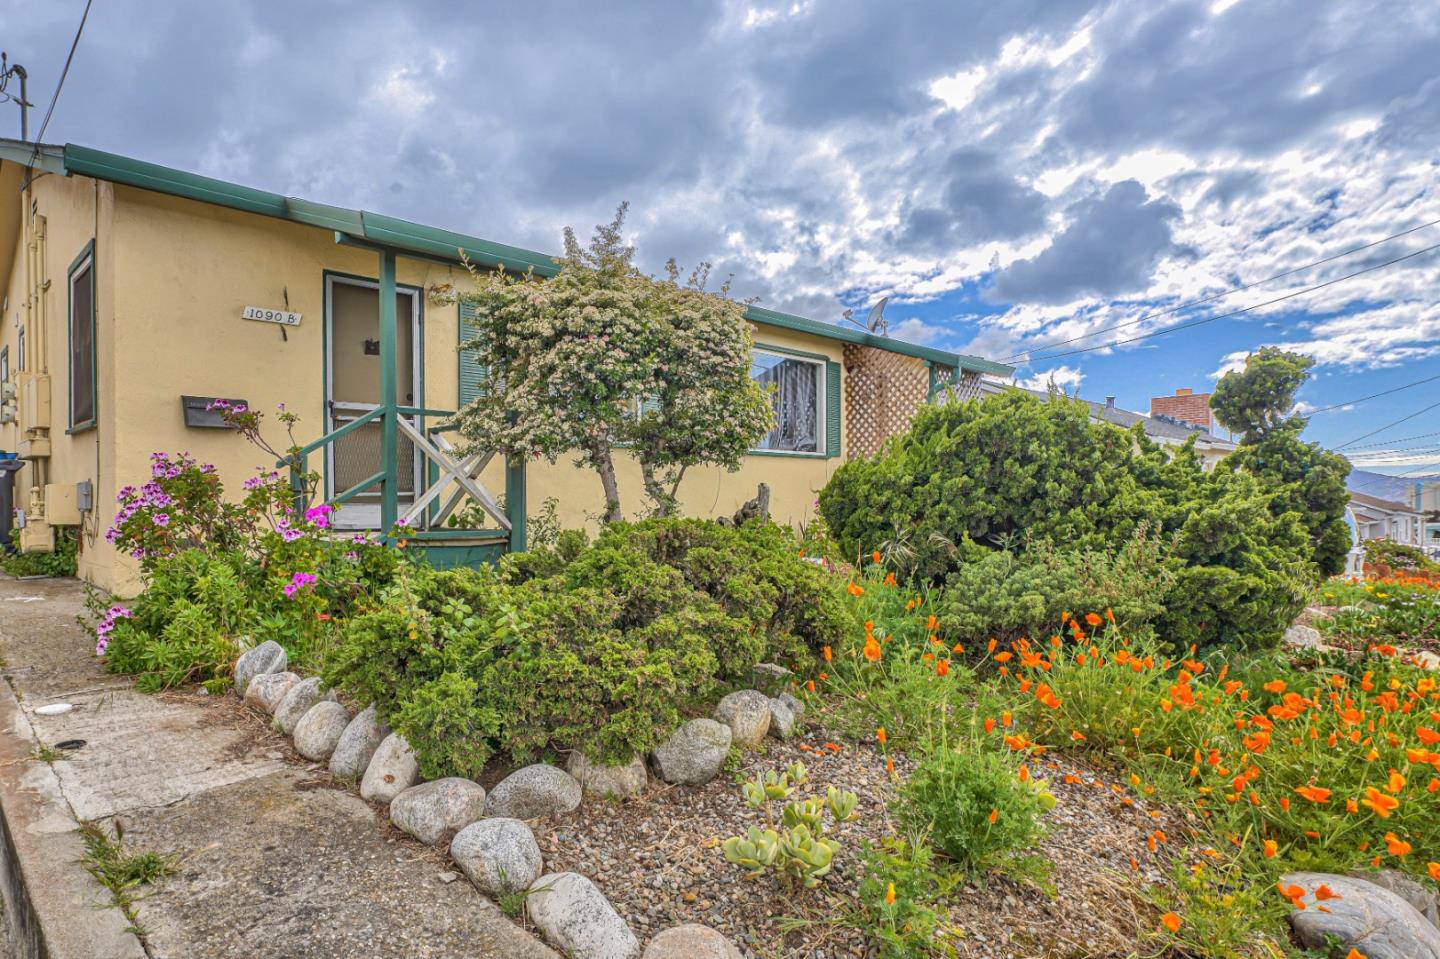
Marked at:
<point>1388,425</point>
<point>1247,309</point>
<point>1403,439</point>
<point>1227,292</point>
<point>1336,406</point>
<point>40,137</point>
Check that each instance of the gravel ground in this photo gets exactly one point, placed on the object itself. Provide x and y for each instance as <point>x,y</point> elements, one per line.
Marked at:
<point>658,860</point>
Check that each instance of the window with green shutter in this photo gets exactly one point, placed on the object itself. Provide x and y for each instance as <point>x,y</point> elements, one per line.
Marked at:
<point>472,374</point>
<point>832,408</point>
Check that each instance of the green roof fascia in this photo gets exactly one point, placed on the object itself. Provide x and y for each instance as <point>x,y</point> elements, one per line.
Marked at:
<point>403,236</point>
<point>151,176</point>
<point>801,324</point>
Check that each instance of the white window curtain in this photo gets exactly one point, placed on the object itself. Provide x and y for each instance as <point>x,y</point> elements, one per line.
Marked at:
<point>794,388</point>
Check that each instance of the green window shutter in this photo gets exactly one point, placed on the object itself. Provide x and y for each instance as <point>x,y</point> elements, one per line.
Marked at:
<point>472,374</point>
<point>832,409</point>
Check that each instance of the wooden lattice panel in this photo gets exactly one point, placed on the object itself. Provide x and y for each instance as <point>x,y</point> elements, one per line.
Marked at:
<point>882,392</point>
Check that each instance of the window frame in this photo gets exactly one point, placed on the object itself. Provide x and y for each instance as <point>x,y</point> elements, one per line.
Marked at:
<point>85,258</point>
<point>819,361</point>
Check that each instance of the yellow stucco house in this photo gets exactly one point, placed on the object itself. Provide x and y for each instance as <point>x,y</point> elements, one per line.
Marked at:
<point>134,293</point>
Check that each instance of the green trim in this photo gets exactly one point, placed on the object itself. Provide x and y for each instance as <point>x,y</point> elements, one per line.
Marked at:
<point>786,351</point>
<point>5,364</point>
<point>390,425</point>
<point>414,239</point>
<point>86,252</point>
<point>792,454</point>
<point>801,324</point>
<point>833,406</point>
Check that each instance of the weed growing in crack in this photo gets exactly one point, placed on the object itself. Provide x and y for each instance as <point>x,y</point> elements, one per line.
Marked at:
<point>121,872</point>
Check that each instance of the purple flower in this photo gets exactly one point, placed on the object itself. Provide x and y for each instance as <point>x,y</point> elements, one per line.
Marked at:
<point>162,519</point>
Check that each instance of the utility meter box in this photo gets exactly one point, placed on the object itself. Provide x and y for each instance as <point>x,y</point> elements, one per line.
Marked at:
<point>35,401</point>
<point>37,537</point>
<point>61,508</point>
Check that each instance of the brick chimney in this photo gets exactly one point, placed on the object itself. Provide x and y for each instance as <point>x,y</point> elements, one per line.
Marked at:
<point>1186,405</point>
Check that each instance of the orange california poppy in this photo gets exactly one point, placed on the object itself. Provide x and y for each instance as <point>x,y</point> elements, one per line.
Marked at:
<point>1093,619</point>
<point>1171,922</point>
<point>1315,794</point>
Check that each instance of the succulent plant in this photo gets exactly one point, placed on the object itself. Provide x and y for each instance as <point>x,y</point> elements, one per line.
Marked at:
<point>842,804</point>
<point>754,852</point>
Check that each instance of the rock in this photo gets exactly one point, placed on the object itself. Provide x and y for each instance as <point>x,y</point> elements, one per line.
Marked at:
<point>1306,637</point>
<point>577,919</point>
<point>747,713</point>
<point>268,657</point>
<point>533,793</point>
<point>1365,917</point>
<point>437,810</point>
<point>694,753</point>
<point>498,855</point>
<point>297,703</point>
<point>795,705</point>
<point>1425,899</point>
<point>357,744</point>
<point>615,782</point>
<point>691,941</point>
<point>266,690</point>
<point>392,770</point>
<point>448,876</point>
<point>770,678</point>
<point>320,729</point>
<point>782,720</point>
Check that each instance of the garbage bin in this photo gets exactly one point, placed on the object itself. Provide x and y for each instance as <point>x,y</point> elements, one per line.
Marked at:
<point>9,466</point>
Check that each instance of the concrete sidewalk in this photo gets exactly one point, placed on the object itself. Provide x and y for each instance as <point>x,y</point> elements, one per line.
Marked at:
<point>274,859</point>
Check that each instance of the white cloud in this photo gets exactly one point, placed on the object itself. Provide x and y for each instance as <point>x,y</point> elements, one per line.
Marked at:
<point>1067,378</point>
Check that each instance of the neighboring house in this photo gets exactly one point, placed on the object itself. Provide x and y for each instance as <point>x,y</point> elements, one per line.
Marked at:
<point>1163,430</point>
<point>134,293</point>
<point>1376,518</point>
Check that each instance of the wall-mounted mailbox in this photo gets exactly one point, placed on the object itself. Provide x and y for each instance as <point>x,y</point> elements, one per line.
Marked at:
<point>199,414</point>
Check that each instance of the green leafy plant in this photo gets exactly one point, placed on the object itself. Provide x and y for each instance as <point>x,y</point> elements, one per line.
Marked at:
<point>601,356</point>
<point>122,872</point>
<point>59,563</point>
<point>975,805</point>
<point>1017,474</point>
<point>598,647</point>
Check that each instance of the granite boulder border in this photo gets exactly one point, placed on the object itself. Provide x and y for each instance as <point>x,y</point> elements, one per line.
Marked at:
<point>435,811</point>
<point>576,918</point>
<point>534,792</point>
<point>392,770</point>
<point>320,729</point>
<point>357,744</point>
<point>297,703</point>
<point>498,855</point>
<point>268,657</point>
<point>265,691</point>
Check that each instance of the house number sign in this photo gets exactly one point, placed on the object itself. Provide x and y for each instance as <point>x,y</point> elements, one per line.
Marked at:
<point>283,317</point>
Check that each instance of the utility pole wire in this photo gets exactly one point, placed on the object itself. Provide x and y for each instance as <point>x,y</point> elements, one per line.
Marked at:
<point>40,137</point>
<point>1336,406</point>
<point>1247,309</point>
<point>1224,293</point>
<point>1387,426</point>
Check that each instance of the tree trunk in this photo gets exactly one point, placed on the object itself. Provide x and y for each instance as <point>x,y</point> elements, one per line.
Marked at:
<point>604,463</point>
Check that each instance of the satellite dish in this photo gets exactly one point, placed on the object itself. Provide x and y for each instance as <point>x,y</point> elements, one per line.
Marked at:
<point>875,320</point>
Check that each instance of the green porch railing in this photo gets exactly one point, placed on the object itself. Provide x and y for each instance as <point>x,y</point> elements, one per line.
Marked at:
<point>451,479</point>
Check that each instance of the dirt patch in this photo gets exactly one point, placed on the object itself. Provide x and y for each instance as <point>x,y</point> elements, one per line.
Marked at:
<point>659,861</point>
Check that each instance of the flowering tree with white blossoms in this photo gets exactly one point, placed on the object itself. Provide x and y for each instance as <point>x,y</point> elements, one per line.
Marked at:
<point>603,357</point>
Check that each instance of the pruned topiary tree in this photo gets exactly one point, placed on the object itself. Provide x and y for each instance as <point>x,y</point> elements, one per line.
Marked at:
<point>602,357</point>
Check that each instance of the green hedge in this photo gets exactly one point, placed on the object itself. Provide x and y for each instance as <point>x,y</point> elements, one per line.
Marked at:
<point>599,647</point>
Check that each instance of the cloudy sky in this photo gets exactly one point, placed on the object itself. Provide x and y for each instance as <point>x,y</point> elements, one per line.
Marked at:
<point>1013,175</point>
